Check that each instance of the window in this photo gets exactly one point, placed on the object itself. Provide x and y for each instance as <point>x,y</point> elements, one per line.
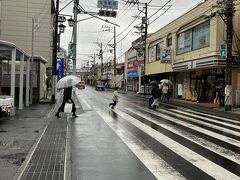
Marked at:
<point>184,42</point>
<point>195,38</point>
<point>201,35</point>
<point>169,41</point>
<point>158,51</point>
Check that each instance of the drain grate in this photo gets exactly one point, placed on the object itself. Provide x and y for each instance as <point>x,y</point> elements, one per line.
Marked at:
<point>47,161</point>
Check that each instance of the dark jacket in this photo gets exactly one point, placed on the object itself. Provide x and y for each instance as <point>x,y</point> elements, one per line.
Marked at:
<point>156,93</point>
<point>67,94</point>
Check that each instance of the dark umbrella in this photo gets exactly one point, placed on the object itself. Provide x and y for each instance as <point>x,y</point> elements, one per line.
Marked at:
<point>154,84</point>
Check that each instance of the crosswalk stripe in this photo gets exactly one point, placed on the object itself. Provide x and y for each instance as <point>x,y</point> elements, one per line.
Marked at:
<point>200,122</point>
<point>205,118</point>
<point>213,116</point>
<point>159,168</point>
<point>199,161</point>
<point>196,128</point>
<point>202,142</point>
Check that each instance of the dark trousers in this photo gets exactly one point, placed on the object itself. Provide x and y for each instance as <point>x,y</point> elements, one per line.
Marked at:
<point>61,108</point>
<point>113,104</point>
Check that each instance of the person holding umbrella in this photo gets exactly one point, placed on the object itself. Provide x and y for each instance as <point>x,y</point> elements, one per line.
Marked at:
<point>67,97</point>
<point>66,83</point>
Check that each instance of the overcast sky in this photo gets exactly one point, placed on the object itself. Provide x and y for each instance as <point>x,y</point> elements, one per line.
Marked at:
<point>91,31</point>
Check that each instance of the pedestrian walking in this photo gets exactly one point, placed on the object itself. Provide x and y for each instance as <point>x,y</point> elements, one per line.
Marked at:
<point>115,98</point>
<point>156,95</point>
<point>165,95</point>
<point>67,97</point>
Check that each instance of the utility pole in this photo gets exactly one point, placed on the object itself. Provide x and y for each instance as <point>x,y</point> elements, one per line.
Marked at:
<point>54,57</point>
<point>228,86</point>
<point>145,22</point>
<point>101,56</point>
<point>74,58</point>
<point>115,70</point>
<point>32,60</point>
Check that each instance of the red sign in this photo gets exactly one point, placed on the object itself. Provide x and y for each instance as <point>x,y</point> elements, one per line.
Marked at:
<point>133,65</point>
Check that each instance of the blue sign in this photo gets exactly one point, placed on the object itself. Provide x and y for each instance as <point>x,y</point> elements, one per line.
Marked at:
<point>133,73</point>
<point>60,68</point>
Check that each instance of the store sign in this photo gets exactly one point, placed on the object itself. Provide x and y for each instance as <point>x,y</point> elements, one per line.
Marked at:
<point>133,74</point>
<point>60,68</point>
<point>133,65</point>
<point>166,57</point>
<point>152,54</point>
<point>180,90</point>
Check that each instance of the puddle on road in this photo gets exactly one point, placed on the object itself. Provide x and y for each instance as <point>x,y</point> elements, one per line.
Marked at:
<point>17,158</point>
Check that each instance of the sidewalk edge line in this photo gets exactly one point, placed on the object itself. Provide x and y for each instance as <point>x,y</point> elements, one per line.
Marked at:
<point>67,171</point>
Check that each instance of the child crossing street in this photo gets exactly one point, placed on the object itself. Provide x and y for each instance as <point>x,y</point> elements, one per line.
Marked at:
<point>114,98</point>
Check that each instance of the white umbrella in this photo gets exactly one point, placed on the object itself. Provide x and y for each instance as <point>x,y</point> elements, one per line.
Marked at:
<point>166,81</point>
<point>67,81</point>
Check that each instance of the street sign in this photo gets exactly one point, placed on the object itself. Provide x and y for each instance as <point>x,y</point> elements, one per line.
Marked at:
<point>60,68</point>
<point>108,4</point>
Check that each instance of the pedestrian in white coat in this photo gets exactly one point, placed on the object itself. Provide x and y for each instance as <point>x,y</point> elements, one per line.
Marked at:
<point>114,98</point>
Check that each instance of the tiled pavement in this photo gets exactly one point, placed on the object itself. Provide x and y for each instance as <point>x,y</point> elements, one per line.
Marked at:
<point>47,161</point>
<point>48,158</point>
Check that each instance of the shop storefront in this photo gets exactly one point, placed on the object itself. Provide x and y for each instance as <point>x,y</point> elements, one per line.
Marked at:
<point>201,80</point>
<point>133,74</point>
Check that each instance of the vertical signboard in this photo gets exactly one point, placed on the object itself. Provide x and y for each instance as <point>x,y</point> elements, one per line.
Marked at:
<point>60,68</point>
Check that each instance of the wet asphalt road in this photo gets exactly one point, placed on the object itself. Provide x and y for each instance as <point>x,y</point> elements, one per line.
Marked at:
<point>135,142</point>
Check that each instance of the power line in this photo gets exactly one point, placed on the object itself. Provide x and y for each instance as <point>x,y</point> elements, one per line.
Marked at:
<point>66,5</point>
<point>161,14</point>
<point>160,8</point>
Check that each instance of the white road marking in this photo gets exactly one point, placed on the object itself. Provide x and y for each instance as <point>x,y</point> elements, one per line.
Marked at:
<point>217,117</point>
<point>202,142</point>
<point>212,120</point>
<point>199,122</point>
<point>159,168</point>
<point>197,160</point>
<point>196,128</point>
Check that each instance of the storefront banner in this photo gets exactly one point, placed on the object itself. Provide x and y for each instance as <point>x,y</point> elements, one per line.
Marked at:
<point>60,68</point>
<point>133,65</point>
<point>199,63</point>
<point>166,56</point>
<point>141,63</point>
<point>152,54</point>
<point>133,74</point>
<point>180,89</point>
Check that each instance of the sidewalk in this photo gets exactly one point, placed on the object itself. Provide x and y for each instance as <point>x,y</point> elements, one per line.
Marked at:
<point>18,134</point>
<point>49,157</point>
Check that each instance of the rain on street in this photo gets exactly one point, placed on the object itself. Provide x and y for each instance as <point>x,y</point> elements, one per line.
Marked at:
<point>135,142</point>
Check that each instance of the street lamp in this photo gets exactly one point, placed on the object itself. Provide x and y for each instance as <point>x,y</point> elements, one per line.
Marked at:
<point>61,28</point>
<point>70,22</point>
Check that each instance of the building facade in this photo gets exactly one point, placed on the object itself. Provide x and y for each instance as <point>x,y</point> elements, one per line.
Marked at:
<point>187,51</point>
<point>18,19</point>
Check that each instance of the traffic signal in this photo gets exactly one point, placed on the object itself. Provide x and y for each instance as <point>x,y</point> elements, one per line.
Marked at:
<point>107,13</point>
<point>223,50</point>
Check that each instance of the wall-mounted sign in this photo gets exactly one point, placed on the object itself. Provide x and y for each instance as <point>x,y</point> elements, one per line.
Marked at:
<point>60,68</point>
<point>133,73</point>
<point>152,54</point>
<point>166,57</point>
